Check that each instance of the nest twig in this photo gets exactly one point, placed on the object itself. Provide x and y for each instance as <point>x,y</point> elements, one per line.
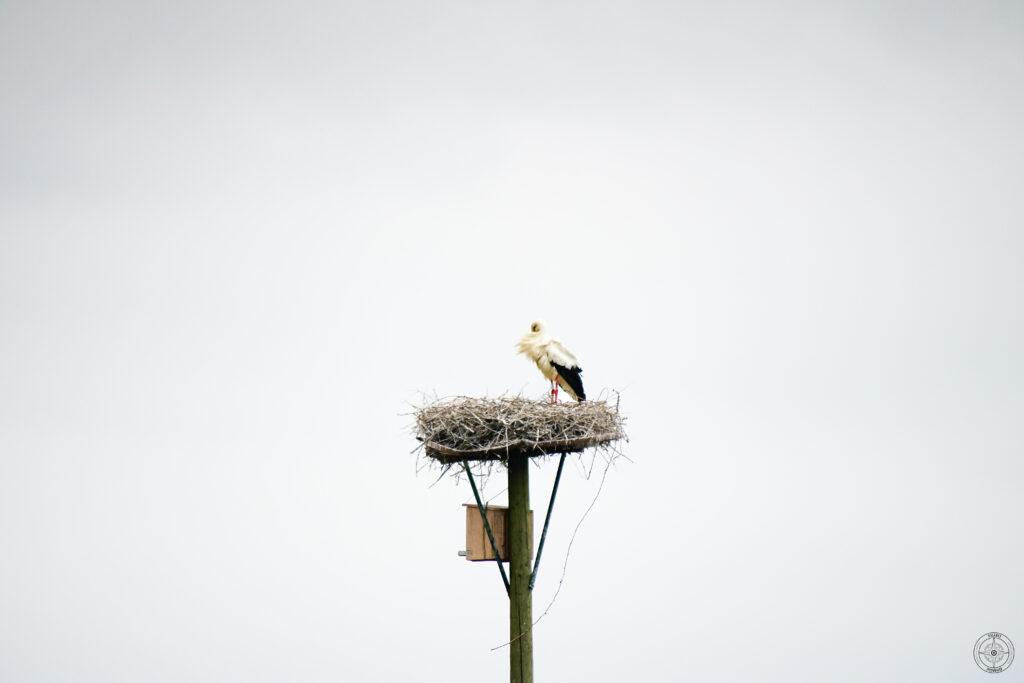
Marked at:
<point>466,428</point>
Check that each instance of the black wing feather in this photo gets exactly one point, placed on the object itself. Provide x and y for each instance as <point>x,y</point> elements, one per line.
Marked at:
<point>572,378</point>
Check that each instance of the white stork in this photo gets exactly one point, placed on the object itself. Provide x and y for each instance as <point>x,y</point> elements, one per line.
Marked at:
<point>554,361</point>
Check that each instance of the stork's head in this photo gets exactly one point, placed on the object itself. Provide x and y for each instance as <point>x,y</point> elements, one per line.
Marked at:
<point>528,344</point>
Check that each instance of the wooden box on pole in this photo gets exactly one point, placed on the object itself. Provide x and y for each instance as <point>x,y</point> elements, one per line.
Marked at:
<point>478,546</point>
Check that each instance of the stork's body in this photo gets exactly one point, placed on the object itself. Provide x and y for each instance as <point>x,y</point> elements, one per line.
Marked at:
<point>554,361</point>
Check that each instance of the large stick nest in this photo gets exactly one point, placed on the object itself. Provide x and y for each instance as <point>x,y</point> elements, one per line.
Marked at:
<point>454,430</point>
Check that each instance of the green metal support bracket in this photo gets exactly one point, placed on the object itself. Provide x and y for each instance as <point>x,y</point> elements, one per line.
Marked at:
<point>487,525</point>
<point>547,519</point>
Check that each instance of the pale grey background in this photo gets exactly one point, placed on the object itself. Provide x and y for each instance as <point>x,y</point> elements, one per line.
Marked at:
<point>238,239</point>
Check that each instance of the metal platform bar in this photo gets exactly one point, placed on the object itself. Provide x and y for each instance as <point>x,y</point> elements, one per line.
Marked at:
<point>487,526</point>
<point>547,519</point>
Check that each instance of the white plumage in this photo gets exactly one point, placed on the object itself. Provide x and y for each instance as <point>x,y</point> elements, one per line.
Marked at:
<point>554,361</point>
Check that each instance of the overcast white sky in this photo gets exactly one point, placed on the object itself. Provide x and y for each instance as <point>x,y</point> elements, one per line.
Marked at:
<point>239,239</point>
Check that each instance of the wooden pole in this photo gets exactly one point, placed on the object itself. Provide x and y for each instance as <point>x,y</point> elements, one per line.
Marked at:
<point>520,600</point>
